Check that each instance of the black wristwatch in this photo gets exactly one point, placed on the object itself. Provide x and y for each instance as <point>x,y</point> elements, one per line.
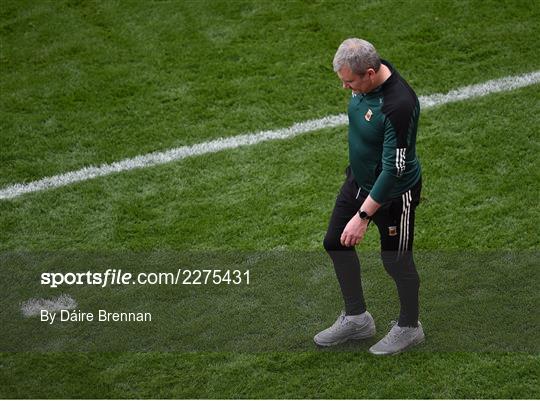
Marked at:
<point>363,215</point>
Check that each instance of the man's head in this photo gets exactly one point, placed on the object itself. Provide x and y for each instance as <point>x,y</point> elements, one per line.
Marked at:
<point>356,63</point>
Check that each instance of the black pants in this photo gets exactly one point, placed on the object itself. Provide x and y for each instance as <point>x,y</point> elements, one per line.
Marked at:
<point>395,221</point>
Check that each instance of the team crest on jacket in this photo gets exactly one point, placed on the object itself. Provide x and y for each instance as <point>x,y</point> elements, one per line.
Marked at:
<point>368,115</point>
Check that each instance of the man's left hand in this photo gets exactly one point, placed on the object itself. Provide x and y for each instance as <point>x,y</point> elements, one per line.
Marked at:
<point>354,231</point>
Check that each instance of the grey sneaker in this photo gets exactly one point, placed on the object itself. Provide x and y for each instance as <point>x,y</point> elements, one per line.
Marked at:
<point>398,340</point>
<point>345,329</point>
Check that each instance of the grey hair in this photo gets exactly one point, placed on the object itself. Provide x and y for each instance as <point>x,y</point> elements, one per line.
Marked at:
<point>357,54</point>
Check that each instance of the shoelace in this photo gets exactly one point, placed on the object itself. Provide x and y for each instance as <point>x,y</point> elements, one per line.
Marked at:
<point>393,335</point>
<point>339,322</point>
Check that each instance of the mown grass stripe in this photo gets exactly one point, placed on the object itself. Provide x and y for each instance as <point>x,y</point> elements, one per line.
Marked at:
<point>175,154</point>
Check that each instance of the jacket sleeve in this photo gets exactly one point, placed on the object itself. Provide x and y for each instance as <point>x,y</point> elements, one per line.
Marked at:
<point>393,162</point>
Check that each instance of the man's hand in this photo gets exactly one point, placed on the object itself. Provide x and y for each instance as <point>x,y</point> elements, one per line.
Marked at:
<point>354,231</point>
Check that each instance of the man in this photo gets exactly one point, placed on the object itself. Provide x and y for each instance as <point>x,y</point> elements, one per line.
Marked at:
<point>382,186</point>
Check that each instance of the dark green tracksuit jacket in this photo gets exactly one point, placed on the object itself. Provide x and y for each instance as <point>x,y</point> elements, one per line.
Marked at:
<point>382,138</point>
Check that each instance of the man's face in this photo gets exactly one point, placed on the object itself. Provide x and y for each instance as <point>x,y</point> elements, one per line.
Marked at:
<point>357,83</point>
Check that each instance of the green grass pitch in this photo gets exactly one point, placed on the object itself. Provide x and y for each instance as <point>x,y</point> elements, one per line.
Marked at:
<point>89,82</point>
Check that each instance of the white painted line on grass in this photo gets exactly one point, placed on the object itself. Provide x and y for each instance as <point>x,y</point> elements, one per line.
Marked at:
<point>469,92</point>
<point>34,306</point>
<point>157,158</point>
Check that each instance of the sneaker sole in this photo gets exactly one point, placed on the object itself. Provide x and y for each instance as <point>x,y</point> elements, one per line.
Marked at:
<point>414,343</point>
<point>360,336</point>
